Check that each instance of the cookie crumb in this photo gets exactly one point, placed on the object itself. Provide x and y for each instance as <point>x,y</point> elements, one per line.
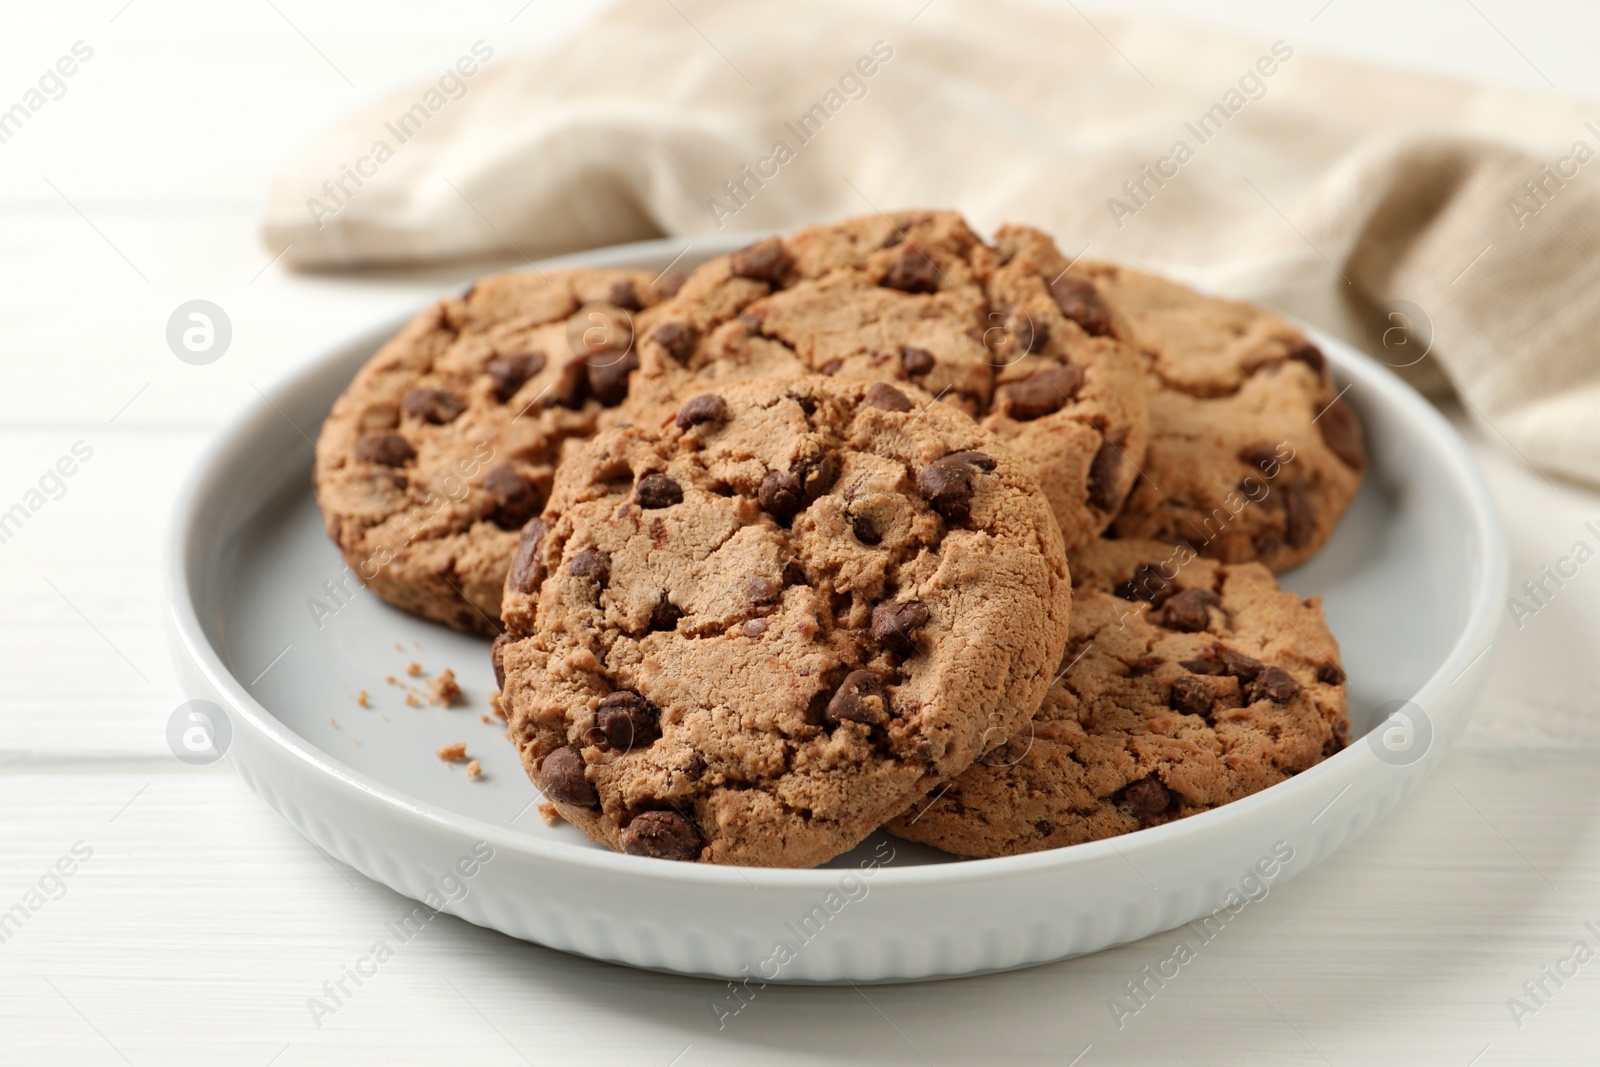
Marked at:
<point>411,699</point>
<point>474,769</point>
<point>499,707</point>
<point>549,814</point>
<point>413,668</point>
<point>363,700</point>
<point>398,647</point>
<point>445,689</point>
<point>355,740</point>
<point>333,723</point>
<point>453,753</point>
<point>391,680</point>
<point>486,719</point>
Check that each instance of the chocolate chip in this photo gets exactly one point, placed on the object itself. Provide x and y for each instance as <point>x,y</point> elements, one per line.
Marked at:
<point>916,361</point>
<point>831,367</point>
<point>1328,674</point>
<point>432,405</point>
<point>1262,457</point>
<point>665,615</point>
<point>1187,612</point>
<point>571,386</point>
<point>1275,683</point>
<point>780,493</point>
<point>887,397</point>
<point>913,272</point>
<point>1043,827</point>
<point>1147,665</point>
<point>751,323</point>
<point>1240,665</point>
<point>759,589</point>
<point>657,490</point>
<point>1341,432</point>
<point>1023,334</point>
<point>695,769</point>
<point>1103,469</point>
<point>766,260</point>
<point>592,564</point>
<point>668,284</point>
<point>527,566</point>
<point>865,529</point>
<point>608,375</point>
<point>516,500</point>
<point>628,720</point>
<point>1191,696</point>
<point>1268,543</point>
<point>384,449</point>
<point>1080,301</point>
<point>623,295</point>
<point>1310,355</point>
<point>1205,663</point>
<point>510,372</point>
<point>707,407</point>
<point>1147,799</point>
<point>894,622</point>
<point>785,494</point>
<point>1148,584</point>
<point>562,779</point>
<point>859,698</point>
<point>947,484</point>
<point>497,653</point>
<point>1301,516</point>
<point>1040,394</point>
<point>677,338</point>
<point>662,835</point>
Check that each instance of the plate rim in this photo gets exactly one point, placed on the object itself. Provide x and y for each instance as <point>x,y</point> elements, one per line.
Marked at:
<point>187,636</point>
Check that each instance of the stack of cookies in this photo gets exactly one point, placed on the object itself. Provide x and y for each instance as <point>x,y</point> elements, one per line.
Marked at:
<point>874,525</point>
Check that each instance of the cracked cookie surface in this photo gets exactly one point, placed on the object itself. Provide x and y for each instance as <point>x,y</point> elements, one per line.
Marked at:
<point>755,633</point>
<point>446,442</point>
<point>1252,454</point>
<point>1011,333</point>
<point>1185,684</point>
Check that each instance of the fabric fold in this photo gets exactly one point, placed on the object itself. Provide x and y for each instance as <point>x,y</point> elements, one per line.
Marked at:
<point>1448,229</point>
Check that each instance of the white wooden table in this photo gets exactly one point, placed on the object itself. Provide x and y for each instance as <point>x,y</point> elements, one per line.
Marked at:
<point>195,924</point>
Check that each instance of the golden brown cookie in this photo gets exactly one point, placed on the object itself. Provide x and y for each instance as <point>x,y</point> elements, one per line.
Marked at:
<point>446,441</point>
<point>1006,332</point>
<point>1252,456</point>
<point>754,634</point>
<point>1186,684</point>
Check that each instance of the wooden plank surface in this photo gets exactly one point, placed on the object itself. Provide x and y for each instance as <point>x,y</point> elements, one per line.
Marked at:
<point>200,923</point>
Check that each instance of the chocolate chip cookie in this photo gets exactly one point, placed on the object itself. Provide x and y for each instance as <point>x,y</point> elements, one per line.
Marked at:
<point>1010,333</point>
<point>446,441</point>
<point>1185,684</point>
<point>753,634</point>
<point>1253,455</point>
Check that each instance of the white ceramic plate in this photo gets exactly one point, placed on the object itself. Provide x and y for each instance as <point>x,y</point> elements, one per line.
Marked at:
<point>1411,582</point>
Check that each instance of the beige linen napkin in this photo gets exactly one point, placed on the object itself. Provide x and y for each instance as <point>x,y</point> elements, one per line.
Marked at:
<point>1441,226</point>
